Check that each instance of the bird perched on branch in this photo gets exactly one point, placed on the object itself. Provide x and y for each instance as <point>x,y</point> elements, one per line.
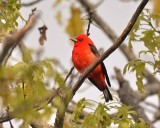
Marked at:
<point>83,55</point>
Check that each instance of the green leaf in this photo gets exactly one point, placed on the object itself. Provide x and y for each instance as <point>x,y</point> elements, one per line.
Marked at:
<point>78,110</point>
<point>145,52</point>
<point>100,118</point>
<point>89,121</point>
<point>137,66</point>
<point>49,69</point>
<point>141,124</point>
<point>124,111</point>
<point>10,12</point>
<point>123,124</point>
<point>149,40</point>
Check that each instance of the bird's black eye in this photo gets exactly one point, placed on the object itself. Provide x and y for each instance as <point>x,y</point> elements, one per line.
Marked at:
<point>80,39</point>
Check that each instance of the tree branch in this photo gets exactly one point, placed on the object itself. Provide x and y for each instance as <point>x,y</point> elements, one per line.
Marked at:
<point>6,118</point>
<point>89,22</point>
<point>31,3</point>
<point>40,124</point>
<point>11,41</point>
<point>70,72</point>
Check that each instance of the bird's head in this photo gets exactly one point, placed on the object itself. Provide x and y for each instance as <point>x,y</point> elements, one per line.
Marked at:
<point>80,38</point>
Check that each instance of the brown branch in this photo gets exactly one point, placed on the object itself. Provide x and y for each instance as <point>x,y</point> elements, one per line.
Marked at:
<point>31,3</point>
<point>150,89</point>
<point>33,123</point>
<point>89,22</point>
<point>8,114</point>
<point>129,0</point>
<point>1,125</point>
<point>151,105</point>
<point>118,42</point>
<point>6,118</point>
<point>40,124</point>
<point>11,41</point>
<point>54,93</point>
<point>70,72</point>
<point>156,116</point>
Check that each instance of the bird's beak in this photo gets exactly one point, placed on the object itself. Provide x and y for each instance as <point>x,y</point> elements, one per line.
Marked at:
<point>73,39</point>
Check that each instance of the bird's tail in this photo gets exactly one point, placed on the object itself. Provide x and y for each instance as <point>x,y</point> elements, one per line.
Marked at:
<point>107,94</point>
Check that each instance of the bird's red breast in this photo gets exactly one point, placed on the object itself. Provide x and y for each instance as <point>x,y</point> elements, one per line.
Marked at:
<point>82,57</point>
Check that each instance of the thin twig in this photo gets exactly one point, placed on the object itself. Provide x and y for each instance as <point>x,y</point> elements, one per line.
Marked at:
<point>10,52</point>
<point>89,22</point>
<point>7,110</point>
<point>70,72</point>
<point>129,0</point>
<point>31,3</point>
<point>54,93</point>
<point>23,87</point>
<point>6,118</point>
<point>151,104</point>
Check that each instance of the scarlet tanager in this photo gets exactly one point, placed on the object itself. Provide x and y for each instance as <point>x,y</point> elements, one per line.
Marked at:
<point>83,55</point>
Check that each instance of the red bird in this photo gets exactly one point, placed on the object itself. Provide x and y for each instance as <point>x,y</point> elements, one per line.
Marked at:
<point>83,55</point>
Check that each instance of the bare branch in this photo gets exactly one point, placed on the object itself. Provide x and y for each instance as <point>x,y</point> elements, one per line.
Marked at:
<point>129,0</point>
<point>6,118</point>
<point>40,124</point>
<point>11,41</point>
<point>151,105</point>
<point>70,72</point>
<point>89,22</point>
<point>31,3</point>
<point>1,125</point>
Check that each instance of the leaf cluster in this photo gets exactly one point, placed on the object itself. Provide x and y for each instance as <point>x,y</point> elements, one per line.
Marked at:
<point>101,116</point>
<point>9,13</point>
<point>24,88</point>
<point>145,32</point>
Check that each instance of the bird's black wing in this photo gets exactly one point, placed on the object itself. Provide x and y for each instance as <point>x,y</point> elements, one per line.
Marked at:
<point>93,82</point>
<point>95,51</point>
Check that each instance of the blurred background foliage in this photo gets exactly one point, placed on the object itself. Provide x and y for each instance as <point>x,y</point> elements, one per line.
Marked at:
<point>27,87</point>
